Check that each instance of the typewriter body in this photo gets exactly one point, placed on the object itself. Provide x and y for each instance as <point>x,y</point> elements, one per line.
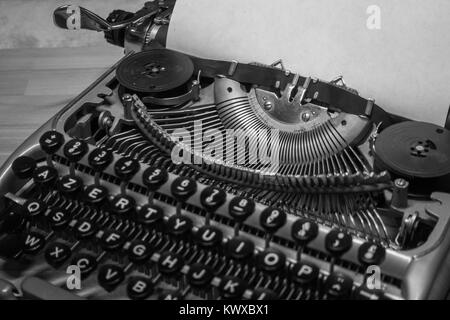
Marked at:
<point>125,192</point>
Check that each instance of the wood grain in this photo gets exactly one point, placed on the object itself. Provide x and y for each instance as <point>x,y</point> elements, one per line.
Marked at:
<point>35,83</point>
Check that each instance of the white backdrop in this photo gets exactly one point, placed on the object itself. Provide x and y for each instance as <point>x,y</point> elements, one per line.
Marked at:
<point>404,65</point>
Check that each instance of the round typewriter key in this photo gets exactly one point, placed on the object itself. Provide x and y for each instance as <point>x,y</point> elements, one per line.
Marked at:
<point>263,294</point>
<point>33,242</point>
<point>370,253</point>
<point>241,208</point>
<point>86,262</point>
<point>179,225</point>
<point>199,275</point>
<point>100,158</point>
<point>169,263</point>
<point>232,288</point>
<point>139,288</point>
<point>182,188</point>
<point>70,184</point>
<point>110,276</point>
<point>305,273</point>
<point>122,204</point>
<point>212,198</point>
<point>272,219</point>
<point>150,214</point>
<point>75,149</point>
<point>338,286</point>
<point>112,240</point>
<point>304,231</point>
<point>209,236</point>
<point>338,242</point>
<point>45,176</point>
<point>51,141</point>
<point>139,251</point>
<point>23,167</point>
<point>12,220</point>
<point>57,253</point>
<point>34,207</point>
<point>58,218</point>
<point>126,167</point>
<point>84,229</point>
<point>153,178</point>
<point>271,260</point>
<point>95,194</point>
<point>240,248</point>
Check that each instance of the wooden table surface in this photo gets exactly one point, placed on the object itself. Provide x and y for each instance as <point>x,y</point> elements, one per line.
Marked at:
<point>36,83</point>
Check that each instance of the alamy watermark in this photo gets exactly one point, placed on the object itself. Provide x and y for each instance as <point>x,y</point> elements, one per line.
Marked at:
<point>373,21</point>
<point>235,147</point>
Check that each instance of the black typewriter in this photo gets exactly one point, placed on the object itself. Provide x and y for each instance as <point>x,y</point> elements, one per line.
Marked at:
<point>180,177</point>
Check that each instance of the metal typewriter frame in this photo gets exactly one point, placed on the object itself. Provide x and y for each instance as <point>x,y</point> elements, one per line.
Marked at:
<point>422,270</point>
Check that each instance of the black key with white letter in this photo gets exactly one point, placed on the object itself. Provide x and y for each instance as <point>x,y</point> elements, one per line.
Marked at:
<point>86,262</point>
<point>338,242</point>
<point>139,251</point>
<point>51,141</point>
<point>126,167</point>
<point>70,185</point>
<point>179,225</point>
<point>241,208</point>
<point>240,248</point>
<point>305,274</point>
<point>100,158</point>
<point>183,188</point>
<point>232,288</point>
<point>338,286</point>
<point>272,219</point>
<point>212,198</point>
<point>170,263</point>
<point>58,218</point>
<point>112,240</point>
<point>75,149</point>
<point>199,275</point>
<point>45,176</point>
<point>370,253</point>
<point>95,194</point>
<point>271,260</point>
<point>110,276</point>
<point>84,229</point>
<point>122,204</point>
<point>208,236</point>
<point>57,253</point>
<point>154,177</point>
<point>150,215</point>
<point>35,208</point>
<point>304,231</point>
<point>139,288</point>
<point>33,242</point>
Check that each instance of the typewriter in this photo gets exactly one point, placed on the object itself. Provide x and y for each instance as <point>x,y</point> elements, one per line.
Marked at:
<point>129,193</point>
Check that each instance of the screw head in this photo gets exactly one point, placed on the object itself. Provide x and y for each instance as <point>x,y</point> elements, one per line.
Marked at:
<point>306,116</point>
<point>268,105</point>
<point>400,182</point>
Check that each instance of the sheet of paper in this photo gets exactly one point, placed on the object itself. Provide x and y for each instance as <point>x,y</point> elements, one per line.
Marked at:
<point>397,52</point>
